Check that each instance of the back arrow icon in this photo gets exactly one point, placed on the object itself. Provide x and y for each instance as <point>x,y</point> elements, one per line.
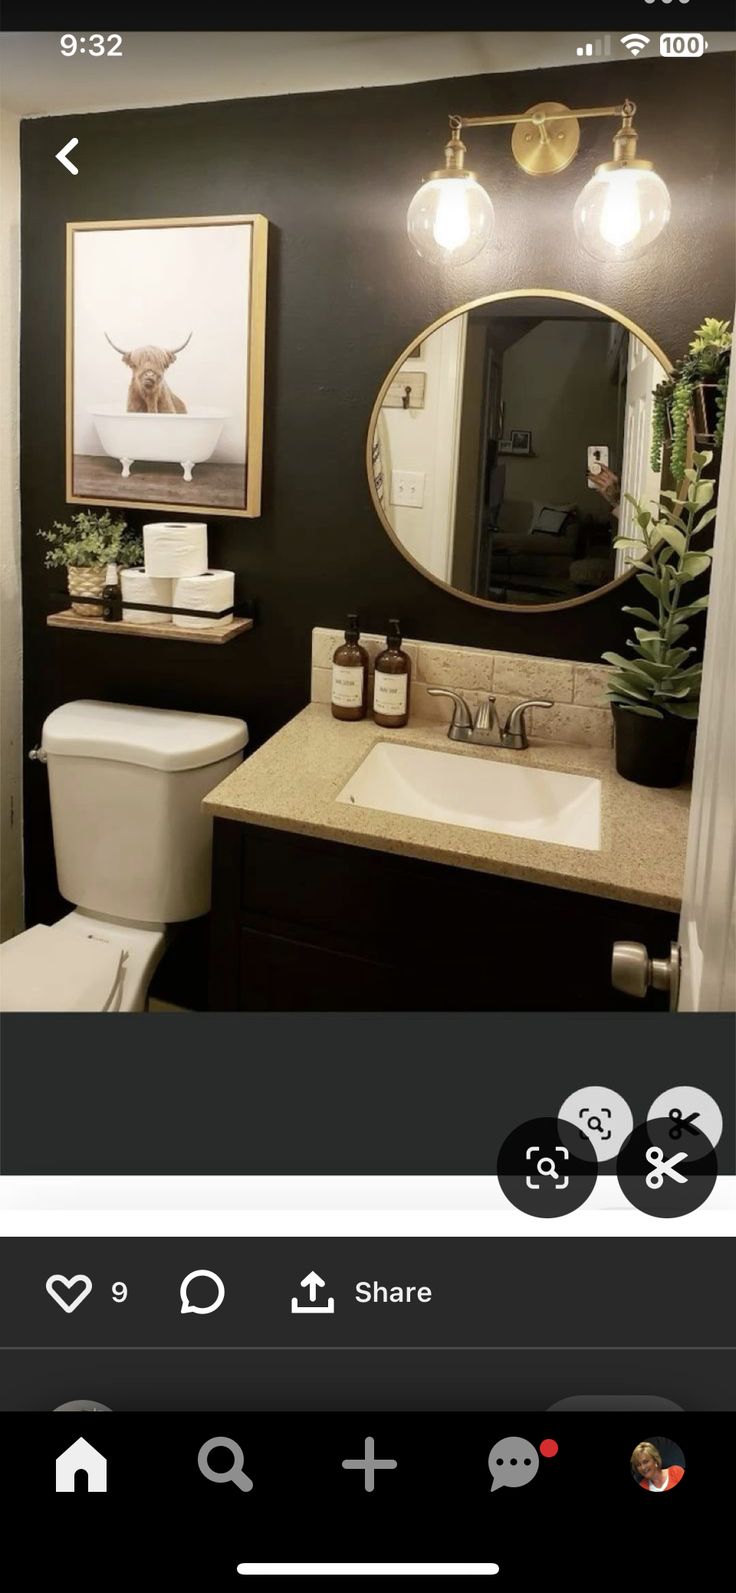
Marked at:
<point>61,155</point>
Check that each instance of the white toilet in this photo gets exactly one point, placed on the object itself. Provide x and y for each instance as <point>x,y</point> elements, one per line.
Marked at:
<point>133,851</point>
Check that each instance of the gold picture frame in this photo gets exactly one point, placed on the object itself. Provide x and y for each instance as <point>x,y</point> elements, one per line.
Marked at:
<point>166,475</point>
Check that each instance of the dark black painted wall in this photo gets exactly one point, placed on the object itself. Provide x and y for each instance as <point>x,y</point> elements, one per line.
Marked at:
<point>334,173</point>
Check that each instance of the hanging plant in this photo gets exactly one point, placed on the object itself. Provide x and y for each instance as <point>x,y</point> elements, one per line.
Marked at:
<point>706,366</point>
<point>681,404</point>
<point>660,427</point>
<point>721,396</point>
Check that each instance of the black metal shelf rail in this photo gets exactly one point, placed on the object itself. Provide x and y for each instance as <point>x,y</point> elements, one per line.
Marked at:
<point>243,609</point>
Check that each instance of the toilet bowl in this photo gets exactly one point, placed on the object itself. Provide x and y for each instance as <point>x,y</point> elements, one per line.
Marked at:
<point>132,847</point>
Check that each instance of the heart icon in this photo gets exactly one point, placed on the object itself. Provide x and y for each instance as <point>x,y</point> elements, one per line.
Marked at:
<point>68,1304</point>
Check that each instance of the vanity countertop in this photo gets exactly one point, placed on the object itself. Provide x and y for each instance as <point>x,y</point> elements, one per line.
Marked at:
<point>293,780</point>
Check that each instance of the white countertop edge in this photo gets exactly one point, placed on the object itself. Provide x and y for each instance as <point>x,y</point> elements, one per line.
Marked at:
<point>358,1207</point>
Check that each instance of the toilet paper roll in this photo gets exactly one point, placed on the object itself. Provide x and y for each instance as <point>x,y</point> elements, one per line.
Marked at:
<point>136,585</point>
<point>213,590</point>
<point>172,550</point>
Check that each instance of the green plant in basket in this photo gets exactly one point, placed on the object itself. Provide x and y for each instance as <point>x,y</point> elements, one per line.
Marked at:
<point>659,679</point>
<point>92,540</point>
<point>705,366</point>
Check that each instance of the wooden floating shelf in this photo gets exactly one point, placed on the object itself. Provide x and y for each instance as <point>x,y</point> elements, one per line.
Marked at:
<point>67,620</point>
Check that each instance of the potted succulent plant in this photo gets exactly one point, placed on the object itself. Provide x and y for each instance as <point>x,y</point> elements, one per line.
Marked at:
<point>654,694</point>
<point>695,392</point>
<point>86,545</point>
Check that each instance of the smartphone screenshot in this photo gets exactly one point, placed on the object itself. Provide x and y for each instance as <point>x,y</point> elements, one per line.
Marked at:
<point>368,810</point>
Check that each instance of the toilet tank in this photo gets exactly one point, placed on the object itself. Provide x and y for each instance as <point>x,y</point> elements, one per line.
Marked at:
<point>126,787</point>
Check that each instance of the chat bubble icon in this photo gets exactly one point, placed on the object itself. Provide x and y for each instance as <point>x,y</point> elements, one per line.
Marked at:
<point>513,1462</point>
<point>187,1308</point>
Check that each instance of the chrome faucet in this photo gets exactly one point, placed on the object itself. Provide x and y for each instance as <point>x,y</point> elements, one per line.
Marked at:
<point>478,728</point>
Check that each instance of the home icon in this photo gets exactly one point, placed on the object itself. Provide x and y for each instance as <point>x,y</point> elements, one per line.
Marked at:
<point>81,1457</point>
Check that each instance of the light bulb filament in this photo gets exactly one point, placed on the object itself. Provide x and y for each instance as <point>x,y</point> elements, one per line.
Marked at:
<point>621,217</point>
<point>452,223</point>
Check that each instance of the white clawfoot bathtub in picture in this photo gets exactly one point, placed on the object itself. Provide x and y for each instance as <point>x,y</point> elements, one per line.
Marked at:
<point>186,440</point>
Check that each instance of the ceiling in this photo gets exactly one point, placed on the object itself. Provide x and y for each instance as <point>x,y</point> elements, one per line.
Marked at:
<point>182,68</point>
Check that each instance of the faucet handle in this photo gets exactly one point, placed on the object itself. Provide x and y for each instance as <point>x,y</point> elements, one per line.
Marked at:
<point>485,714</point>
<point>461,719</point>
<point>514,731</point>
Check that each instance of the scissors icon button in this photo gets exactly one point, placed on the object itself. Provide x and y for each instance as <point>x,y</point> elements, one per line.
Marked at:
<point>663,1169</point>
<point>680,1122</point>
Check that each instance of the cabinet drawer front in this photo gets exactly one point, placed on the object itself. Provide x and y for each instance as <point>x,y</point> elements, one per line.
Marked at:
<point>282,975</point>
<point>324,886</point>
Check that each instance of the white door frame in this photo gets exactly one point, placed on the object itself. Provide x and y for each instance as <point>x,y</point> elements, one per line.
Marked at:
<point>708,916</point>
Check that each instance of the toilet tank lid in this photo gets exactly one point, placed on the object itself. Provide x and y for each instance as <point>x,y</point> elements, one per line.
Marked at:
<point>160,738</point>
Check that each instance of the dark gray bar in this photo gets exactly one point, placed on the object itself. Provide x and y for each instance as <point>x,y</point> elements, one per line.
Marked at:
<point>330,1093</point>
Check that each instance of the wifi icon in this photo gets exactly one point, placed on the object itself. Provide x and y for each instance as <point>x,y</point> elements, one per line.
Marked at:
<point>635,42</point>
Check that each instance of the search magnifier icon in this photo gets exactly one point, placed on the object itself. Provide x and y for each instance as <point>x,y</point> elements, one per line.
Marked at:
<point>234,1473</point>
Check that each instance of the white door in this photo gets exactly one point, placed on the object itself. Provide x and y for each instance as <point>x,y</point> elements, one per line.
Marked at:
<point>708,916</point>
<point>644,372</point>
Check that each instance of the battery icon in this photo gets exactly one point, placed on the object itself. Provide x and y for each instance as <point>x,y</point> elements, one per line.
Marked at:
<point>682,45</point>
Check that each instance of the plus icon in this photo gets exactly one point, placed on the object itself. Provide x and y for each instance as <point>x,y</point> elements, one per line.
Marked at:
<point>369,1465</point>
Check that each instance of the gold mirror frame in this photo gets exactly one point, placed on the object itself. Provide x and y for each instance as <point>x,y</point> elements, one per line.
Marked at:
<point>463,309</point>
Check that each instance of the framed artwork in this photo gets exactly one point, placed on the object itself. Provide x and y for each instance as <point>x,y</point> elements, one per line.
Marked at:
<point>519,442</point>
<point>165,345</point>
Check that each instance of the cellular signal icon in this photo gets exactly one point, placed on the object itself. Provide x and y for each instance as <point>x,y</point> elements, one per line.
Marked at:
<point>596,47</point>
<point>635,42</point>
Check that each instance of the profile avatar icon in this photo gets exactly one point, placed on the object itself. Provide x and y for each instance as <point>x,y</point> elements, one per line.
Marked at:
<point>658,1466</point>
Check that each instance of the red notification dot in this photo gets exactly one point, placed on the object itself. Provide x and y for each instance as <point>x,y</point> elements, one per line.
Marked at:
<point>548,1448</point>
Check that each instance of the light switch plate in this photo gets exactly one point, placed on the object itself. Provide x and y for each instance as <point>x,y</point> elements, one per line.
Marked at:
<point>597,455</point>
<point>407,488</point>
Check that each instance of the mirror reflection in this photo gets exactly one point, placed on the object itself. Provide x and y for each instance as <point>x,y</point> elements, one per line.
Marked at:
<point>506,444</point>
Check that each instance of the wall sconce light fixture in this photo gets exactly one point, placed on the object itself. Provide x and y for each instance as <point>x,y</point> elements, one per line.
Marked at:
<point>617,216</point>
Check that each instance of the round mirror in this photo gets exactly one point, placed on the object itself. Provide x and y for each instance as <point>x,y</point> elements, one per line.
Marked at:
<point>503,443</point>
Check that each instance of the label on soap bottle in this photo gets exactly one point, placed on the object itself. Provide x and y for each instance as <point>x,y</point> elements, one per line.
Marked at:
<point>390,693</point>
<point>347,685</point>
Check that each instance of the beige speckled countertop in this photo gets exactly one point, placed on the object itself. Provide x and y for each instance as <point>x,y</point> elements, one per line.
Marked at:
<point>291,783</point>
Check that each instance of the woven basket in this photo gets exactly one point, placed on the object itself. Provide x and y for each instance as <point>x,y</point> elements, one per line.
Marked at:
<point>86,581</point>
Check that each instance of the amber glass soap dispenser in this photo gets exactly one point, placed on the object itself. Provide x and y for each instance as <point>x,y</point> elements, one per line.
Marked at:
<point>350,675</point>
<point>391,681</point>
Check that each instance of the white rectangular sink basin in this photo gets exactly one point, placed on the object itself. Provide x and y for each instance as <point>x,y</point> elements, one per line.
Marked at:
<point>479,793</point>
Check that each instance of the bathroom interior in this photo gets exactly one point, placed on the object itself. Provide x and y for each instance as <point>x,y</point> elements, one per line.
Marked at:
<point>438,316</point>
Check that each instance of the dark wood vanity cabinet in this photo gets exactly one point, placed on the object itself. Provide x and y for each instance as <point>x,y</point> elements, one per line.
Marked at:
<point>302,924</point>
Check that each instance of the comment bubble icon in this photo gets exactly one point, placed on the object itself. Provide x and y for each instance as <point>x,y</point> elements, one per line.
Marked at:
<point>188,1307</point>
<point>513,1462</point>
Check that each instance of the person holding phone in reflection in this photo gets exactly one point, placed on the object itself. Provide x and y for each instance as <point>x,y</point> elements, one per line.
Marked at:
<point>608,484</point>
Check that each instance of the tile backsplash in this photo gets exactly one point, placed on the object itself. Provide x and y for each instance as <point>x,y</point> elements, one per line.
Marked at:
<point>580,711</point>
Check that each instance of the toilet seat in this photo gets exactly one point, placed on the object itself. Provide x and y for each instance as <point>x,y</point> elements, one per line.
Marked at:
<point>47,969</point>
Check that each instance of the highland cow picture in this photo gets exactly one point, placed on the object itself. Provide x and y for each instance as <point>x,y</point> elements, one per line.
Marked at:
<point>165,354</point>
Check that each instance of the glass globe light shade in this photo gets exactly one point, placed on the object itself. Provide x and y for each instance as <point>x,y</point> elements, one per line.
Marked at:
<point>450,219</point>
<point>620,212</point>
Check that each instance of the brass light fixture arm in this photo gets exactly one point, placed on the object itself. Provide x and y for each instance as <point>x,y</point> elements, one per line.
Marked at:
<point>556,141</point>
<point>627,110</point>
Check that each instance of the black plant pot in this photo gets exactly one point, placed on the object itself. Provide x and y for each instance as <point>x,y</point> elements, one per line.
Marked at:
<point>651,751</point>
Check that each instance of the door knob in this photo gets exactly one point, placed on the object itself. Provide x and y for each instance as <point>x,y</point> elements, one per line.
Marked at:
<point>634,972</point>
